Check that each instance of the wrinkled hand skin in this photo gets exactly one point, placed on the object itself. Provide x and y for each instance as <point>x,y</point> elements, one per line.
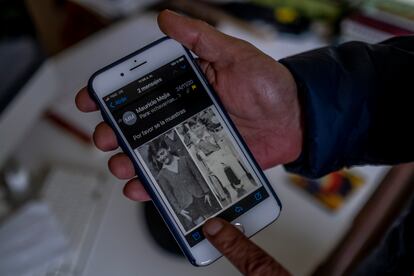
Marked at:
<point>260,95</point>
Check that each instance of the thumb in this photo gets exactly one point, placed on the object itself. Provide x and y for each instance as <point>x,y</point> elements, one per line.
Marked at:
<point>246,256</point>
<point>204,40</point>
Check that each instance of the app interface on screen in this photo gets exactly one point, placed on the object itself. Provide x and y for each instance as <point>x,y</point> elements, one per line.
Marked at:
<point>185,146</point>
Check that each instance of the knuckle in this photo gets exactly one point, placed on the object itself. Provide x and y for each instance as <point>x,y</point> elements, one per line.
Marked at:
<point>230,244</point>
<point>202,23</point>
<point>250,259</point>
<point>260,263</point>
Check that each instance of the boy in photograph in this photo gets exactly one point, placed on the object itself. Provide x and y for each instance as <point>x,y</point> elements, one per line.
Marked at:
<point>185,188</point>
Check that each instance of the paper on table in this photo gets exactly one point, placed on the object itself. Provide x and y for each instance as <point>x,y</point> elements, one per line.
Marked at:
<point>30,240</point>
<point>78,198</point>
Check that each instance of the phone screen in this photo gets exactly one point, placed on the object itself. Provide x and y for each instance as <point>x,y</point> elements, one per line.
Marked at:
<point>185,147</point>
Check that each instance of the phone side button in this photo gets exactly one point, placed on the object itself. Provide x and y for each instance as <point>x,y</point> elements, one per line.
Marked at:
<point>239,226</point>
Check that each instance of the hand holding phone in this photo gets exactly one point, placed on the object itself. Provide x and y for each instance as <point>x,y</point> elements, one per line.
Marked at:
<point>259,94</point>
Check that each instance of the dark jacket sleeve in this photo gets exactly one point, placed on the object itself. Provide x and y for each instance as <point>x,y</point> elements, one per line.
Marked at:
<point>358,103</point>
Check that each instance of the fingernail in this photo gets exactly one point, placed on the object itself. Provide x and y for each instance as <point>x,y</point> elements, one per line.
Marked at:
<point>213,226</point>
<point>170,11</point>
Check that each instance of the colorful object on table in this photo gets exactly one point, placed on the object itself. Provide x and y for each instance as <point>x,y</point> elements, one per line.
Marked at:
<point>286,15</point>
<point>331,190</point>
<point>324,10</point>
<point>283,18</point>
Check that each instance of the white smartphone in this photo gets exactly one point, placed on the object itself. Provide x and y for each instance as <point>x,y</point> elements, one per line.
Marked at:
<point>185,149</point>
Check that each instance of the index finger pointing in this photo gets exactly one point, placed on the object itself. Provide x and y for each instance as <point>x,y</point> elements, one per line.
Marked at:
<point>246,256</point>
<point>84,102</point>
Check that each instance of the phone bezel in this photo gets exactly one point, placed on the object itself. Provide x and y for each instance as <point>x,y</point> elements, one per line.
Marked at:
<point>109,79</point>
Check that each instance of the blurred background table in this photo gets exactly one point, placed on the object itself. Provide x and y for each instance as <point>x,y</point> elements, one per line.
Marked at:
<point>44,130</point>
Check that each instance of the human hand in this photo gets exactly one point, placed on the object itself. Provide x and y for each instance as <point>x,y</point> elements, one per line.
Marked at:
<point>261,97</point>
<point>246,256</point>
<point>259,93</point>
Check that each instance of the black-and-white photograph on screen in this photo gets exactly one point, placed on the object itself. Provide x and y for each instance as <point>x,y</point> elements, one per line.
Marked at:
<point>180,180</point>
<point>215,155</point>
